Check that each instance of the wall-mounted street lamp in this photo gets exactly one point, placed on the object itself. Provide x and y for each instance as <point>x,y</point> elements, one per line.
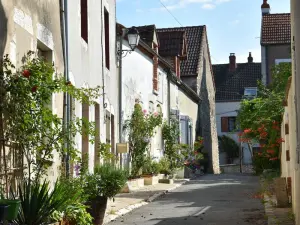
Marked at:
<point>133,37</point>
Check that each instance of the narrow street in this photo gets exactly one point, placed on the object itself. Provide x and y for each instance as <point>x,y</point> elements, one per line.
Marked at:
<point>209,200</point>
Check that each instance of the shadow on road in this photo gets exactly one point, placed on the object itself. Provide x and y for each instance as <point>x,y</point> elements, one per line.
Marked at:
<point>213,200</point>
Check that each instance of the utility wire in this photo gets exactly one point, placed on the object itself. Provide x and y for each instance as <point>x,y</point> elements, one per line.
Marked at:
<point>170,12</point>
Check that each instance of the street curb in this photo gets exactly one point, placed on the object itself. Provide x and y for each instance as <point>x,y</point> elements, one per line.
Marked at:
<point>126,210</point>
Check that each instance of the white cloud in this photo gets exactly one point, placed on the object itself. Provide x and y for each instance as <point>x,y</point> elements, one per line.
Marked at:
<point>234,22</point>
<point>208,6</point>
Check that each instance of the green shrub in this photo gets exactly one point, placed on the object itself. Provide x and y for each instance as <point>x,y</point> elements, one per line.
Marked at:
<point>39,202</point>
<point>107,181</point>
<point>230,147</point>
<point>151,167</point>
<point>164,165</point>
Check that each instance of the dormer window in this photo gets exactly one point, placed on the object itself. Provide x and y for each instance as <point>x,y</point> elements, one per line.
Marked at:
<point>250,92</point>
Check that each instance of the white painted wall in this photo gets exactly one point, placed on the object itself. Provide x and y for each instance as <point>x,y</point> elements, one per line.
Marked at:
<point>137,83</point>
<point>228,109</point>
<point>87,66</point>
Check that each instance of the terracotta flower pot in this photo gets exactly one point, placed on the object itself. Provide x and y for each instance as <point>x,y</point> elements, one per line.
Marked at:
<point>97,208</point>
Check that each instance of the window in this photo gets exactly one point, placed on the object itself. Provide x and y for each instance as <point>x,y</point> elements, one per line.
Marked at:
<point>84,19</point>
<point>250,92</point>
<point>85,137</point>
<point>186,130</point>
<point>97,137</point>
<point>228,124</point>
<point>277,61</point>
<point>151,107</point>
<point>106,33</point>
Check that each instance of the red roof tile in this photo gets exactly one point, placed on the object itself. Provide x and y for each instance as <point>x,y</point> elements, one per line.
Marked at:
<point>276,29</point>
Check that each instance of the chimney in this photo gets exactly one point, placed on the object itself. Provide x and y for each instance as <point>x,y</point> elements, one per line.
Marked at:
<point>250,58</point>
<point>232,62</point>
<point>265,8</point>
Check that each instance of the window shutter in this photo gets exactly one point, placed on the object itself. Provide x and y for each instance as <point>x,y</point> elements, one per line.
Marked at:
<point>224,124</point>
<point>84,20</point>
<point>183,130</point>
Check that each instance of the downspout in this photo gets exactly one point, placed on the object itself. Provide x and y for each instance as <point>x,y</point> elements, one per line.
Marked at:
<point>66,111</point>
<point>119,55</point>
<point>169,76</point>
<point>267,66</point>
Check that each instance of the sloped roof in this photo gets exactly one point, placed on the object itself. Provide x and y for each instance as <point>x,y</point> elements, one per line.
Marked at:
<point>194,42</point>
<point>147,33</point>
<point>230,85</point>
<point>172,43</point>
<point>276,29</point>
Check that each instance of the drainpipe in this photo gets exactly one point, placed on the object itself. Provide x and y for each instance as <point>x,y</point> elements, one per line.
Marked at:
<point>120,88</point>
<point>296,61</point>
<point>64,25</point>
<point>169,76</point>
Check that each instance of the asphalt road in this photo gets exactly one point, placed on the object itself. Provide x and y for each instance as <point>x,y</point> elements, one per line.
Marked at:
<point>209,200</point>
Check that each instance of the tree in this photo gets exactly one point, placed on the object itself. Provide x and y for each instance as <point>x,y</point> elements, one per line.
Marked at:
<point>260,118</point>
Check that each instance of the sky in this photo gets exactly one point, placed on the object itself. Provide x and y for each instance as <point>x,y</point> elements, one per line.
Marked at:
<point>233,26</point>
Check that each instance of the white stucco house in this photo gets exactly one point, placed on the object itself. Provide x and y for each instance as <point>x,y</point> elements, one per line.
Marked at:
<point>92,62</point>
<point>150,80</point>
<point>234,81</point>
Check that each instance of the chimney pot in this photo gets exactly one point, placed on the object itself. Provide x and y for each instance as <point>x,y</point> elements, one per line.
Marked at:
<point>265,8</point>
<point>232,62</point>
<point>250,58</point>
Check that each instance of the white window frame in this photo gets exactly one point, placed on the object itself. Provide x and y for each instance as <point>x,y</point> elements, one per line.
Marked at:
<point>250,88</point>
<point>277,61</point>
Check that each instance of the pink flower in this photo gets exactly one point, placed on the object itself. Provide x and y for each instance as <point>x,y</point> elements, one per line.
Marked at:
<point>155,114</point>
<point>145,111</point>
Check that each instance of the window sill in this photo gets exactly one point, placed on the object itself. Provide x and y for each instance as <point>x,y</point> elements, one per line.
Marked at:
<point>84,44</point>
<point>155,92</point>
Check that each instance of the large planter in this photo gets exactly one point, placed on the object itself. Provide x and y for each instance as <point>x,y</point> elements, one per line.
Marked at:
<point>150,179</point>
<point>13,208</point>
<point>3,212</point>
<point>97,208</point>
<point>132,185</point>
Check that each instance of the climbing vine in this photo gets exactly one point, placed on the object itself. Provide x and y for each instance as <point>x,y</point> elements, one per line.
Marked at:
<point>141,127</point>
<point>28,120</point>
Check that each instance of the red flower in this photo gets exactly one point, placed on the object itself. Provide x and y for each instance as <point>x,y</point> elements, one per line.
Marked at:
<point>26,73</point>
<point>34,89</point>
<point>271,151</point>
<point>240,134</point>
<point>273,159</point>
<point>247,131</point>
<point>279,140</point>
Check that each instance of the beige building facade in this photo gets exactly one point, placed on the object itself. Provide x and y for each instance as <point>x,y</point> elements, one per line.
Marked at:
<point>34,26</point>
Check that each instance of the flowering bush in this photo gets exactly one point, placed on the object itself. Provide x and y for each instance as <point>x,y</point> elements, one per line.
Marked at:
<point>27,118</point>
<point>140,129</point>
<point>260,120</point>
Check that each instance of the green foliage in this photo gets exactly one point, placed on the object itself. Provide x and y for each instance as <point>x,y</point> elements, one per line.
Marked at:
<point>26,115</point>
<point>174,152</point>
<point>164,166</point>
<point>151,167</point>
<point>140,127</point>
<point>230,147</point>
<point>261,118</point>
<point>106,181</point>
<point>77,213</point>
<point>105,153</point>
<point>39,201</point>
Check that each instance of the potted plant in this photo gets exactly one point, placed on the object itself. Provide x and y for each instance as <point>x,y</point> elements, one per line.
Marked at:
<point>12,209</point>
<point>151,170</point>
<point>105,183</point>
